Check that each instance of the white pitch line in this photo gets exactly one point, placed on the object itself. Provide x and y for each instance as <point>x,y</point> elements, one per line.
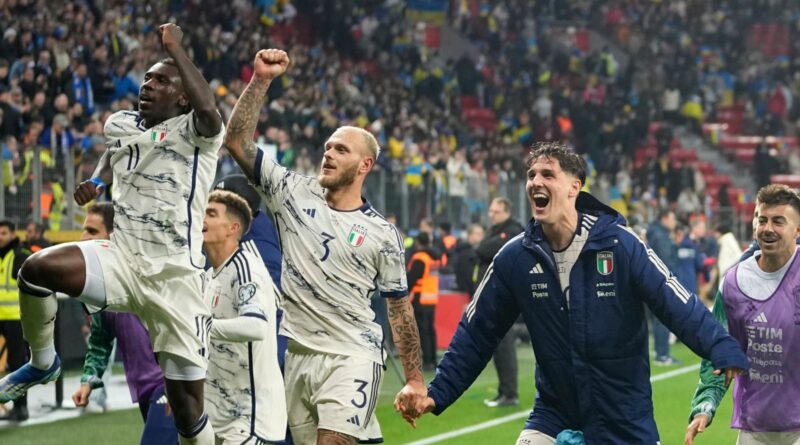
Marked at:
<point>522,414</point>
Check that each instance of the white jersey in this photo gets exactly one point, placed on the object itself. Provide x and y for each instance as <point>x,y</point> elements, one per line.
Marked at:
<point>332,262</point>
<point>244,383</point>
<point>162,177</point>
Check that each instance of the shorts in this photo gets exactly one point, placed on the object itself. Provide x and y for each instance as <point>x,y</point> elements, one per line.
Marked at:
<point>235,432</point>
<point>533,437</point>
<point>768,438</point>
<point>331,392</point>
<point>170,303</point>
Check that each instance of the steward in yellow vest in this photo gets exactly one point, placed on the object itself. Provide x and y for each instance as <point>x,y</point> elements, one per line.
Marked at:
<point>12,255</point>
<point>423,279</point>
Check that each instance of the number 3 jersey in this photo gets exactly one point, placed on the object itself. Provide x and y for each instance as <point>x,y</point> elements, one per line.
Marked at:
<point>162,177</point>
<point>332,262</point>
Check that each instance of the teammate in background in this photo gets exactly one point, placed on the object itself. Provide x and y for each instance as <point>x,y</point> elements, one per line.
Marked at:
<point>758,301</point>
<point>244,387</point>
<point>589,331</point>
<point>336,251</point>
<point>144,377</point>
<point>162,161</point>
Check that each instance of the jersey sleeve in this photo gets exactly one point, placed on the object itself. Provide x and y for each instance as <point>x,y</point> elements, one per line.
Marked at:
<point>679,310</point>
<point>204,143</point>
<point>711,388</point>
<point>277,182</point>
<point>392,280</point>
<point>101,342</point>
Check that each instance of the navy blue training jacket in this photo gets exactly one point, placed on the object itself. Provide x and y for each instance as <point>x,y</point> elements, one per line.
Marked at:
<point>593,369</point>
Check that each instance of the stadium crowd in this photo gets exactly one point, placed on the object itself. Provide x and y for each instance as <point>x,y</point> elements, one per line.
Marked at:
<point>65,68</point>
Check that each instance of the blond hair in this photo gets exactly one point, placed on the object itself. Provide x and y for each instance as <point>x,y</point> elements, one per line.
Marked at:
<point>370,143</point>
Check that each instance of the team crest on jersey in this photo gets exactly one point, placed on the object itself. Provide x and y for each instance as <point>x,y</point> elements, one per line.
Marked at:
<point>605,262</point>
<point>158,133</point>
<point>357,235</point>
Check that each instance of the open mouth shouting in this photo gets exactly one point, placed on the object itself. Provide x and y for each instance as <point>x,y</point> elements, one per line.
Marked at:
<point>540,200</point>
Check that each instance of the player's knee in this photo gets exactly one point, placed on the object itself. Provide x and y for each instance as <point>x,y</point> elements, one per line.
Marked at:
<point>190,427</point>
<point>30,278</point>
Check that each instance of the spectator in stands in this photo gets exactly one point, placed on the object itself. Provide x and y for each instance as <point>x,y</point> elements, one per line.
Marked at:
<point>660,237</point>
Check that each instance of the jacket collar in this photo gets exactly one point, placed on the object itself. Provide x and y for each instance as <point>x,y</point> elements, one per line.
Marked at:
<point>607,219</point>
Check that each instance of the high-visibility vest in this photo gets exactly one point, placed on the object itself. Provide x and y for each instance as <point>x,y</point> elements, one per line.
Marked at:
<point>426,287</point>
<point>9,292</point>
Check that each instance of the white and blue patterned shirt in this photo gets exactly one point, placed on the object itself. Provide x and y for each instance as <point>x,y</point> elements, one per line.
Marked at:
<point>333,261</point>
<point>162,177</point>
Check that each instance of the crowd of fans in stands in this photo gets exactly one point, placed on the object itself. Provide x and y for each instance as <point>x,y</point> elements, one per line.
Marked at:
<point>64,66</point>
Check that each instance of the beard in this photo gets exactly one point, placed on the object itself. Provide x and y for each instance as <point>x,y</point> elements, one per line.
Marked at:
<point>347,177</point>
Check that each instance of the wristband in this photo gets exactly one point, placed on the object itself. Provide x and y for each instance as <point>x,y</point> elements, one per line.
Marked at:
<point>98,182</point>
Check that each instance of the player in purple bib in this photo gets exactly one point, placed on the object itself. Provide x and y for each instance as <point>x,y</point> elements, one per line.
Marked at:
<point>759,302</point>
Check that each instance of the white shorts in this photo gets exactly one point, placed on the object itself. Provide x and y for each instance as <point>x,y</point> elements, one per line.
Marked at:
<point>533,437</point>
<point>170,304</point>
<point>236,432</point>
<point>331,392</point>
<point>749,438</point>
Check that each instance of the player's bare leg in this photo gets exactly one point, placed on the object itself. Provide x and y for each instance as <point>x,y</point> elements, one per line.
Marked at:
<point>328,437</point>
<point>56,269</point>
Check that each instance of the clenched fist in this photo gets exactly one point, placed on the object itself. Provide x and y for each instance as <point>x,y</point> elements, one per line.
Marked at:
<point>171,36</point>
<point>270,63</point>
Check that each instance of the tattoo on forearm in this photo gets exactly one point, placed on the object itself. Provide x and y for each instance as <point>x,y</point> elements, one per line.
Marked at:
<point>242,125</point>
<point>329,437</point>
<point>406,336</point>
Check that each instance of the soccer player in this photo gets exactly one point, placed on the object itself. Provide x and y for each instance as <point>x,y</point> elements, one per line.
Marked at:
<point>580,279</point>
<point>162,161</point>
<point>759,302</point>
<point>144,377</point>
<point>244,387</point>
<point>336,251</point>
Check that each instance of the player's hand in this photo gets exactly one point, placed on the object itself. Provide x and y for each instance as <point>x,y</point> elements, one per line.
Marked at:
<point>270,63</point>
<point>171,36</point>
<point>81,396</point>
<point>697,426</point>
<point>407,400</point>
<point>87,191</point>
<point>730,374</point>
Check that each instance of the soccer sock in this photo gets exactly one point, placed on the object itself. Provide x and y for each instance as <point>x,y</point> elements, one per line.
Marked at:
<point>202,433</point>
<point>38,322</point>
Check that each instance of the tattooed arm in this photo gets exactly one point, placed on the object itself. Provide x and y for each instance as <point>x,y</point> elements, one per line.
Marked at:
<point>269,64</point>
<point>406,338</point>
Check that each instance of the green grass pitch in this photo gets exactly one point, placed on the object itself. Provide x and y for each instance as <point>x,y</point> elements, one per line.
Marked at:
<point>671,399</point>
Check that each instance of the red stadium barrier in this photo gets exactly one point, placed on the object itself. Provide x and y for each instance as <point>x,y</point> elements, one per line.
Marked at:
<point>449,310</point>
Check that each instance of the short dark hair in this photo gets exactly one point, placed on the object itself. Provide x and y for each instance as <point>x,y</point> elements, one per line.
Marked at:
<point>234,205</point>
<point>8,223</point>
<point>779,194</point>
<point>503,202</point>
<point>423,239</point>
<point>569,161</point>
<point>106,212</point>
<point>446,226</point>
<point>39,227</point>
<point>664,212</point>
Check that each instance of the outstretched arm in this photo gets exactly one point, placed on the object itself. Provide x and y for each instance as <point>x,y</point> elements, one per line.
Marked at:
<point>207,119</point>
<point>406,338</point>
<point>269,64</point>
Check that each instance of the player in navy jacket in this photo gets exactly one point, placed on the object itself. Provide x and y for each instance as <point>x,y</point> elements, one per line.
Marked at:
<point>589,334</point>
